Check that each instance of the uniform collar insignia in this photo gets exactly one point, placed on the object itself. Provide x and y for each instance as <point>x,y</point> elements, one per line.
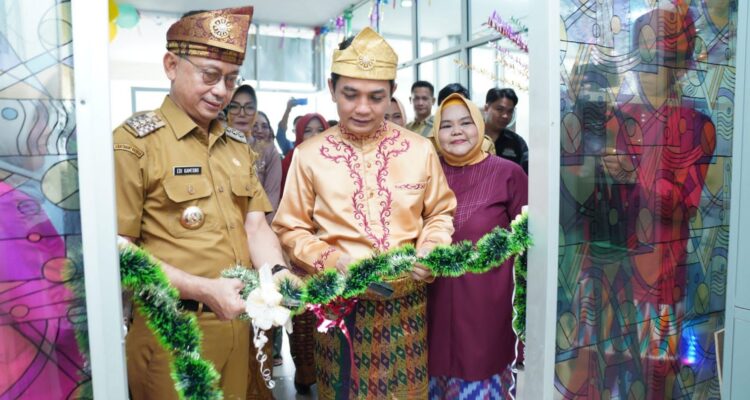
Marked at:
<point>144,123</point>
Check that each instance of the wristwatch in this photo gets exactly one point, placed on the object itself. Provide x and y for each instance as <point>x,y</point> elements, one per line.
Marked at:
<point>276,268</point>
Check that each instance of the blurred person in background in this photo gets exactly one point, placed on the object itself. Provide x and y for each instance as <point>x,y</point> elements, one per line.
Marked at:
<point>451,88</point>
<point>306,127</point>
<point>422,99</point>
<point>499,107</point>
<point>284,144</point>
<point>243,115</point>
<point>396,112</point>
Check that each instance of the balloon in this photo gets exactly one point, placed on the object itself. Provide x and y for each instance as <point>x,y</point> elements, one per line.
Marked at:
<point>113,12</point>
<point>128,17</point>
<point>112,30</point>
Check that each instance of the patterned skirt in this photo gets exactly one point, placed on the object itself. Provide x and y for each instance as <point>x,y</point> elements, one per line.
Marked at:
<point>497,387</point>
<point>390,350</point>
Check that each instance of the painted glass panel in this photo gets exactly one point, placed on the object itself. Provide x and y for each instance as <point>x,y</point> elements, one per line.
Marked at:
<point>647,89</point>
<point>40,230</point>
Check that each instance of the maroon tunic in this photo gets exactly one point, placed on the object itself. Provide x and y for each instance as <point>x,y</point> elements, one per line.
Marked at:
<point>469,318</point>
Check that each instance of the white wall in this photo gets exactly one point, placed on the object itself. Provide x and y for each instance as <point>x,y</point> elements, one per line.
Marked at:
<point>136,61</point>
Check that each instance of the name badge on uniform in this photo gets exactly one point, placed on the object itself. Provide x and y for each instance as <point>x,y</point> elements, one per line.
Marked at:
<point>187,170</point>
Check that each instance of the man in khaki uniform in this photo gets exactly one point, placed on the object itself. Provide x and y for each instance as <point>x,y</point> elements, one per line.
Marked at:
<point>187,194</point>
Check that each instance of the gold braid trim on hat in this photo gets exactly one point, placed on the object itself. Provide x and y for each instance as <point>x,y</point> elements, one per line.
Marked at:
<point>200,50</point>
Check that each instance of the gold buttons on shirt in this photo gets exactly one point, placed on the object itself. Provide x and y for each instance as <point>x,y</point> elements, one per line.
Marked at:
<point>221,189</point>
<point>192,218</point>
<point>190,189</point>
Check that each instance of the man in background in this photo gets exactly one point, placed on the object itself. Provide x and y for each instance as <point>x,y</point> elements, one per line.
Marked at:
<point>422,99</point>
<point>499,107</point>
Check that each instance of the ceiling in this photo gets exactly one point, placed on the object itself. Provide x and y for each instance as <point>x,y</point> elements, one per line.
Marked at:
<point>291,12</point>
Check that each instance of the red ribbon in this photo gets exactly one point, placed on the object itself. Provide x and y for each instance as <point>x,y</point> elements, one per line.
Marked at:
<point>332,315</point>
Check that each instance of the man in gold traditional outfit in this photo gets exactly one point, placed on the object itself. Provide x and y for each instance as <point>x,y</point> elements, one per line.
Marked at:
<point>187,193</point>
<point>362,187</point>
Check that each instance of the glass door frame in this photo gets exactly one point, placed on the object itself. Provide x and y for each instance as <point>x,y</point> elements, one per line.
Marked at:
<point>97,196</point>
<point>544,198</point>
<point>739,224</point>
<point>544,202</point>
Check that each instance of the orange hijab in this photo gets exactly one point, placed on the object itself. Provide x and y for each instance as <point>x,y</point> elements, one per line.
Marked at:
<point>476,154</point>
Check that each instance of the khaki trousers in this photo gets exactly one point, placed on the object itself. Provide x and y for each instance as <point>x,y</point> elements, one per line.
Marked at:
<point>225,343</point>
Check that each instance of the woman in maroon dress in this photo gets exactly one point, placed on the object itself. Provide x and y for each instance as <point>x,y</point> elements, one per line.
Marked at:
<point>470,335</point>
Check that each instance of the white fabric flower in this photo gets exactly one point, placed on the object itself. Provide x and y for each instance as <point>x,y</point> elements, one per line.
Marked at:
<point>263,304</point>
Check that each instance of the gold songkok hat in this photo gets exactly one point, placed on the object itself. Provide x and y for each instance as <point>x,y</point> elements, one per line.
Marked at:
<point>218,34</point>
<point>368,57</point>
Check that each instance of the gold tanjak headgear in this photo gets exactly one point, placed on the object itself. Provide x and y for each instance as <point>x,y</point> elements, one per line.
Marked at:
<point>368,57</point>
<point>218,34</point>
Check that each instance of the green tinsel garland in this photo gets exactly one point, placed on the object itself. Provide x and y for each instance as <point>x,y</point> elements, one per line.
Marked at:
<point>455,260</point>
<point>73,279</point>
<point>178,332</point>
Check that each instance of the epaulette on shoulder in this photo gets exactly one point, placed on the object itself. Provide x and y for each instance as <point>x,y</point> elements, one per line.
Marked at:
<point>235,134</point>
<point>142,124</point>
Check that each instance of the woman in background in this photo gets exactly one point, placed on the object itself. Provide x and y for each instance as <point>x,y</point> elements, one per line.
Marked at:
<point>307,126</point>
<point>242,115</point>
<point>396,112</point>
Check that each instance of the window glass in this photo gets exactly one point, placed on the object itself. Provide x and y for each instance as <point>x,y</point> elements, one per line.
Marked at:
<point>513,12</point>
<point>285,55</point>
<point>496,66</point>
<point>404,80</point>
<point>396,26</point>
<point>440,72</point>
<point>439,25</point>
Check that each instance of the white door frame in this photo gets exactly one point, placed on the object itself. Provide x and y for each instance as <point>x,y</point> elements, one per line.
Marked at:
<point>544,201</point>
<point>97,196</point>
<point>739,223</point>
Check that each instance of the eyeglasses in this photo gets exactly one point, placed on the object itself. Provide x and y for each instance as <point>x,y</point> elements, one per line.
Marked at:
<point>211,77</point>
<point>235,108</point>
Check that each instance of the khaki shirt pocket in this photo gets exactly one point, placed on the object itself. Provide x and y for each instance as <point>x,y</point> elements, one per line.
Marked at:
<point>191,211</point>
<point>249,194</point>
